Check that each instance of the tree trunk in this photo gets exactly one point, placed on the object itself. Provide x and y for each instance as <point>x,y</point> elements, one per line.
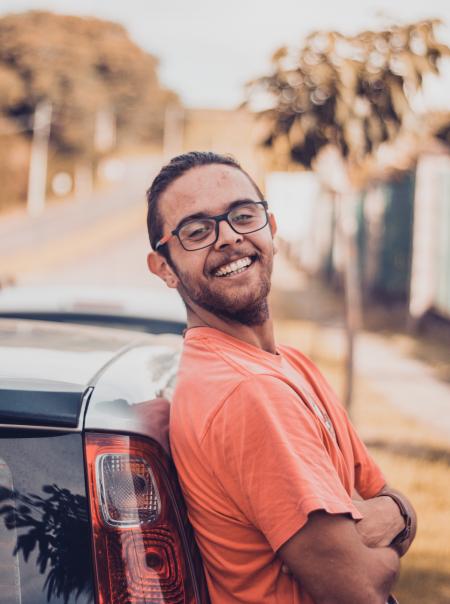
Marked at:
<point>353,302</point>
<point>336,174</point>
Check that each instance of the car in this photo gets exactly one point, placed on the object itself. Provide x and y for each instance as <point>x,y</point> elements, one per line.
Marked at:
<point>90,505</point>
<point>157,310</point>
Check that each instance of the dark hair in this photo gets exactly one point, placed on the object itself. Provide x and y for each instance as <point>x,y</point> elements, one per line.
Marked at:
<point>178,166</point>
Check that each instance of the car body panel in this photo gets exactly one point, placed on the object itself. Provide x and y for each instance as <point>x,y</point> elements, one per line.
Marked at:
<point>46,369</point>
<point>42,407</point>
<point>49,353</point>
<point>149,372</point>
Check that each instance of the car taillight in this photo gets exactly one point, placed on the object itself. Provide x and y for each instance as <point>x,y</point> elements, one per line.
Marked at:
<point>139,552</point>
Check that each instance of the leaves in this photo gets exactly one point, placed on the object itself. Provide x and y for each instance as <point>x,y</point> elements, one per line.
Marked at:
<point>349,91</point>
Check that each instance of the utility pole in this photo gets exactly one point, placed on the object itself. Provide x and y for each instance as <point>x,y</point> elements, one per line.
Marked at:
<point>173,131</point>
<point>37,176</point>
<point>105,131</point>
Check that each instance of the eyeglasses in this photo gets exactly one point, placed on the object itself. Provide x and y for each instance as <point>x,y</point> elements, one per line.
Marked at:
<point>198,233</point>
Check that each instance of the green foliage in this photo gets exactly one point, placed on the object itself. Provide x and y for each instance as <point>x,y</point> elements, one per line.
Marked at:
<point>82,65</point>
<point>349,91</point>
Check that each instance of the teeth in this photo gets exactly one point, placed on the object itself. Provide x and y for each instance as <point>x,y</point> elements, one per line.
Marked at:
<point>233,267</point>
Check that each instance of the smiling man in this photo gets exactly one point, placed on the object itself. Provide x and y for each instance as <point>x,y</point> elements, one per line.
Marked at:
<point>286,504</point>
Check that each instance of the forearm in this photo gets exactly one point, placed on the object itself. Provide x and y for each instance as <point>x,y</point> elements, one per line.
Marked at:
<point>328,558</point>
<point>374,587</point>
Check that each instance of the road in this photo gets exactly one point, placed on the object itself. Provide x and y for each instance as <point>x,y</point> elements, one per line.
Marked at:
<point>99,241</point>
<point>119,259</point>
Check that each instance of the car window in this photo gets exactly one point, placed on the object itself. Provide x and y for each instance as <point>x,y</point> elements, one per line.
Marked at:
<point>9,559</point>
<point>45,548</point>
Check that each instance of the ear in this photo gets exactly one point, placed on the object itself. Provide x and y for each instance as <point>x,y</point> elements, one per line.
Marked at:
<point>273,230</point>
<point>273,224</point>
<point>159,266</point>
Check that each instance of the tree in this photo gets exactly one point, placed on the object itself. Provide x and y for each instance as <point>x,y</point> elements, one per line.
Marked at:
<point>336,104</point>
<point>86,68</point>
<point>81,65</point>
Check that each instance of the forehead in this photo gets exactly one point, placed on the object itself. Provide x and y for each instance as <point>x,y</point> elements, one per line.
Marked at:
<point>208,189</point>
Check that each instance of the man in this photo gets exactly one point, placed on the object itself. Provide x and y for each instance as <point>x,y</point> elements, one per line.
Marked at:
<point>284,499</point>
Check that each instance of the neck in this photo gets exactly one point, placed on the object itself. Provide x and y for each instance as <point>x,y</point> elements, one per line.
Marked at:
<point>261,336</point>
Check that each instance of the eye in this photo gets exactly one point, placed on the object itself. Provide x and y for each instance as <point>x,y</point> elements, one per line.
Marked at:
<point>197,230</point>
<point>244,214</point>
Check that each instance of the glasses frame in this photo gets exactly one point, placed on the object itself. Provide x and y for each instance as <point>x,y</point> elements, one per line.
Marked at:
<point>218,219</point>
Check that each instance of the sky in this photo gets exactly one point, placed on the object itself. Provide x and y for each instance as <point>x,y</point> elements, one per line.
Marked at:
<point>209,49</point>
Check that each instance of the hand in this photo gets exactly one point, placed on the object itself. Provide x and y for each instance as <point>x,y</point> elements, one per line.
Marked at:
<point>381,521</point>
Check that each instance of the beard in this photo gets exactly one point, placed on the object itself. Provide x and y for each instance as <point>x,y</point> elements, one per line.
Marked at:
<point>248,308</point>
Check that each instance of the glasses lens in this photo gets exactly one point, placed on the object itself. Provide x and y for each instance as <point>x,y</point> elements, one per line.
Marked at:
<point>197,233</point>
<point>248,217</point>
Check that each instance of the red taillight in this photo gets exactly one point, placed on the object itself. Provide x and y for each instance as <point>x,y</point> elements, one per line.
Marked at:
<point>138,548</point>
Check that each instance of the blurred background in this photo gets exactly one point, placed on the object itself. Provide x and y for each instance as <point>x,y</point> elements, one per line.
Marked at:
<point>342,115</point>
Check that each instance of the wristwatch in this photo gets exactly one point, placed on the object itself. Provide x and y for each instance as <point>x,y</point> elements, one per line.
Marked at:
<point>406,532</point>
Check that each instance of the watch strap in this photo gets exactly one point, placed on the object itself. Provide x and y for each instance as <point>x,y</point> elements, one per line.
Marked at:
<point>406,532</point>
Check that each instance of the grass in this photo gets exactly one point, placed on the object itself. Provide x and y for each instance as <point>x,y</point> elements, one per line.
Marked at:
<point>414,459</point>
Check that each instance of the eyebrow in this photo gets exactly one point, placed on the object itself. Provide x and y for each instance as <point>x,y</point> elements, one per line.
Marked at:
<point>230,206</point>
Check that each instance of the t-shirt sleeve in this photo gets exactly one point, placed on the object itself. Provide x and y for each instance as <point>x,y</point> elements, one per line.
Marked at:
<point>369,479</point>
<point>266,450</point>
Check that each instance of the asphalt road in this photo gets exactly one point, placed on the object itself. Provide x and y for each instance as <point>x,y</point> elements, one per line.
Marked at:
<point>117,263</point>
<point>99,241</point>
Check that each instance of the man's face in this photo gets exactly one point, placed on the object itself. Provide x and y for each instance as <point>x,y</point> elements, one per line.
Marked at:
<point>201,276</point>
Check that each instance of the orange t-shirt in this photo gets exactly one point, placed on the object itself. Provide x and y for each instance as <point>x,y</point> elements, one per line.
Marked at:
<point>259,441</point>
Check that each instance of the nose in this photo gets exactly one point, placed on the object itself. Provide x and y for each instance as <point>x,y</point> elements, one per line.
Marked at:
<point>226,235</point>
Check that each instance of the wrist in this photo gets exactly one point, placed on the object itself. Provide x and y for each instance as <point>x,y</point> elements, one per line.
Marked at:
<point>403,522</point>
<point>391,511</point>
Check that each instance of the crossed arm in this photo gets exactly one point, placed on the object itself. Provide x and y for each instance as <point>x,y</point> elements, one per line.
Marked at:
<point>382,520</point>
<point>339,561</point>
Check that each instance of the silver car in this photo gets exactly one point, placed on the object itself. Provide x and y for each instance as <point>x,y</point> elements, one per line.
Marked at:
<point>90,507</point>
